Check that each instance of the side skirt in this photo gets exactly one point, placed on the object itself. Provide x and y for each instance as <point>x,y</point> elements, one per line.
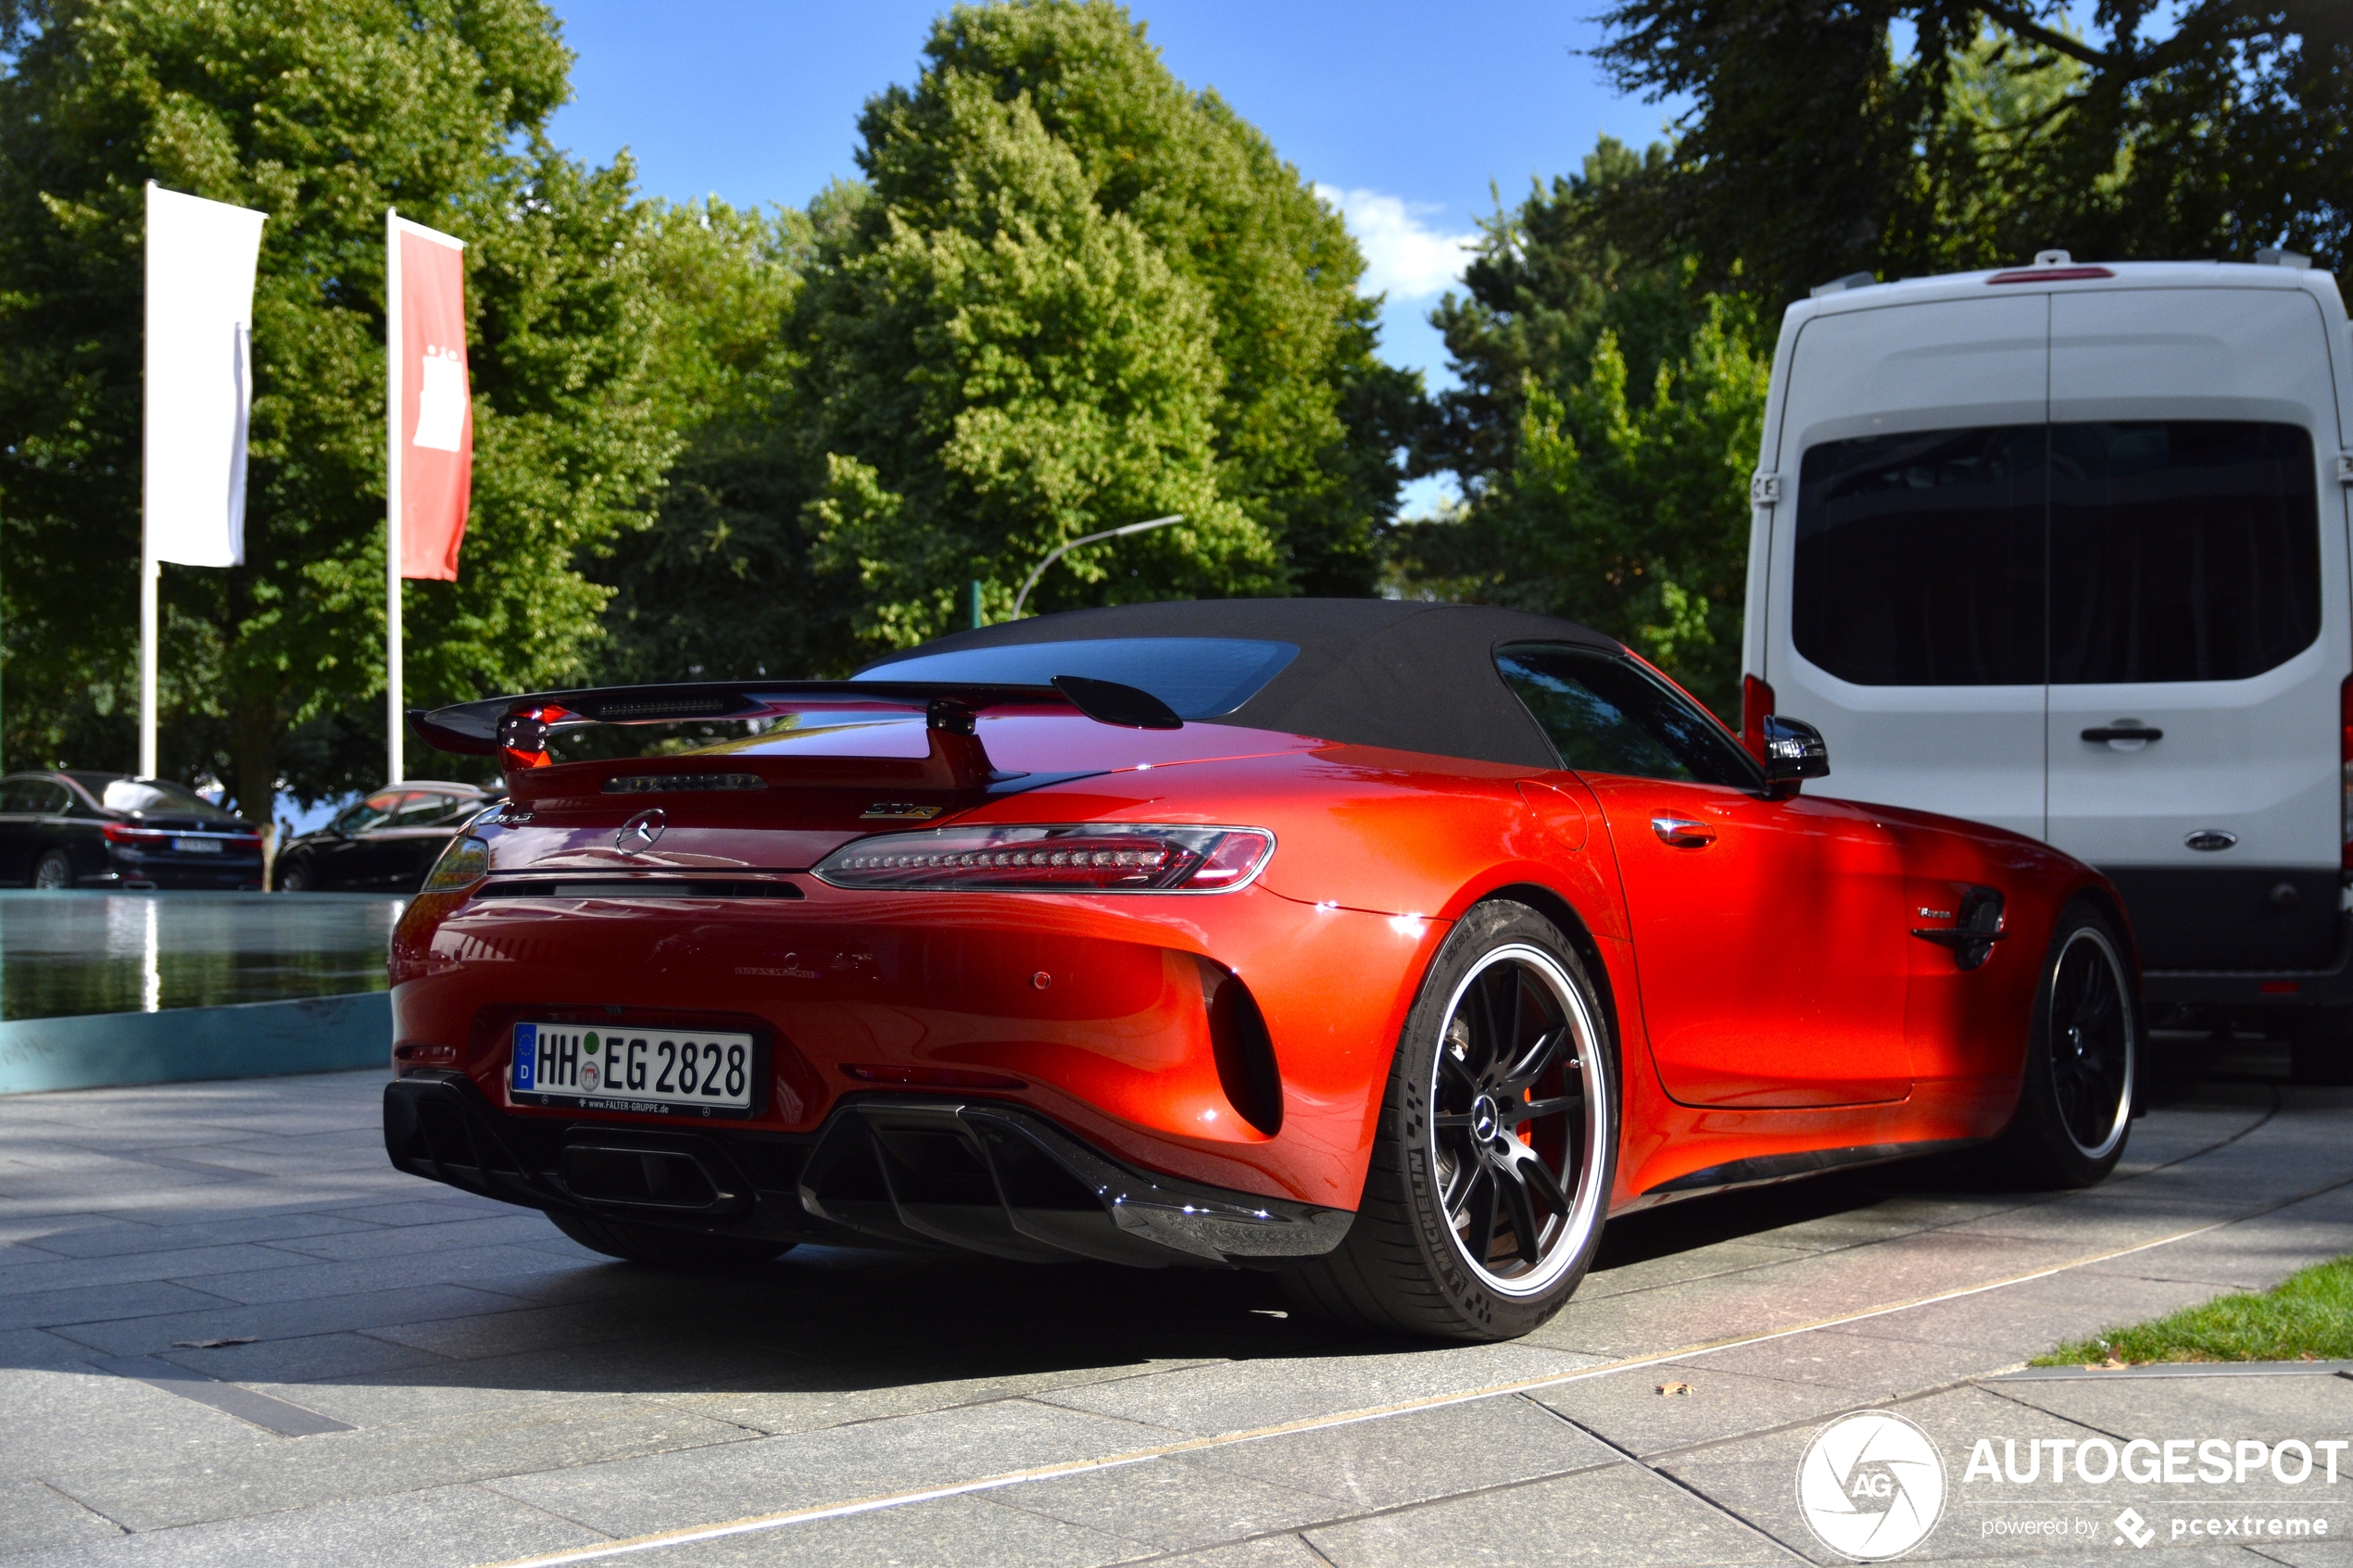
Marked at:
<point>1765,1168</point>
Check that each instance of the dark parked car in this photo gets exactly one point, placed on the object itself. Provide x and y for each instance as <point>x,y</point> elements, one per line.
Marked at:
<point>385,843</point>
<point>79,829</point>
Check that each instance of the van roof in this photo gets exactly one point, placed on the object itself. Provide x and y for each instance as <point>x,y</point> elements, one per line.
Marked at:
<point>2069,277</point>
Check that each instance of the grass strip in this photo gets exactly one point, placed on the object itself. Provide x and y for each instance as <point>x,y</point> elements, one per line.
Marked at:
<point>2309,1316</point>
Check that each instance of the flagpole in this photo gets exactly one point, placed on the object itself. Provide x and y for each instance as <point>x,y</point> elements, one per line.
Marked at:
<point>393,719</point>
<point>147,533</point>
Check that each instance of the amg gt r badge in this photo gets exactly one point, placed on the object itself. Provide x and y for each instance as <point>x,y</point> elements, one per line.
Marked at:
<point>898,812</point>
<point>640,832</point>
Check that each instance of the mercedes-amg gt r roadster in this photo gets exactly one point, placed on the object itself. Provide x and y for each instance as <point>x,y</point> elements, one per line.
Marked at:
<point>1388,946</point>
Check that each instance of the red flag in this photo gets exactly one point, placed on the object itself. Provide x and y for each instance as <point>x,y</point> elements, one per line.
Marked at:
<point>436,443</point>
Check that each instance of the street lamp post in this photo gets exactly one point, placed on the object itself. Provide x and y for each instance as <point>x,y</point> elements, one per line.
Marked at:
<point>1056,553</point>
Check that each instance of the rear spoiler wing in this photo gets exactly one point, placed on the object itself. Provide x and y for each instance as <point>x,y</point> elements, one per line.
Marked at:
<point>516,728</point>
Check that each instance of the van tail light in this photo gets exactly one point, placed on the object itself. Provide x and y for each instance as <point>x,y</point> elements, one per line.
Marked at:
<point>1071,857</point>
<point>2344,760</point>
<point>1756,702</point>
<point>2050,275</point>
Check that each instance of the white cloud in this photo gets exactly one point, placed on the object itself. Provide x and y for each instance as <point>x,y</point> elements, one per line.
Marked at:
<point>1403,257</point>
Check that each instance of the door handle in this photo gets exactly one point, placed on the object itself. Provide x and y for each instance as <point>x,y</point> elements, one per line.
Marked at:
<point>1683,833</point>
<point>2123,732</point>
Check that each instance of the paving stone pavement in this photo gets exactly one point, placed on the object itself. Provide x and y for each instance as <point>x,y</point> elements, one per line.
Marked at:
<point>190,1273</point>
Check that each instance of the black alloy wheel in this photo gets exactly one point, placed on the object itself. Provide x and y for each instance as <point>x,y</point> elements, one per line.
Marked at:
<point>1496,1148</point>
<point>2075,1097</point>
<point>295,876</point>
<point>2091,1041</point>
<point>54,872</point>
<point>1508,1120</point>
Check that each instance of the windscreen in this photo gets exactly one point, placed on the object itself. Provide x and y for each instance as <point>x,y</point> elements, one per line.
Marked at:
<point>1199,677</point>
<point>155,795</point>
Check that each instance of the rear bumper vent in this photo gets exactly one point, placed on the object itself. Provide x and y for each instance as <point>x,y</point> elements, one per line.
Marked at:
<point>640,1171</point>
<point>997,1179</point>
<point>438,1126</point>
<point>928,1173</point>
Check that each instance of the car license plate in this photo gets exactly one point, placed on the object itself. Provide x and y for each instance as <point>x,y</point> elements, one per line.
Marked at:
<point>661,1071</point>
<point>196,845</point>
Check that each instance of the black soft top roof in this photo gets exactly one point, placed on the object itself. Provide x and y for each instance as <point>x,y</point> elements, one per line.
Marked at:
<point>1402,675</point>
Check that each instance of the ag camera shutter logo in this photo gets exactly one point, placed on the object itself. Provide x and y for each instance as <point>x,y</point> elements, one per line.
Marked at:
<point>1871,1486</point>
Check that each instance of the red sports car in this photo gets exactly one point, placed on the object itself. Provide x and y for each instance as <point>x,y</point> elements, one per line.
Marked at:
<point>1391,946</point>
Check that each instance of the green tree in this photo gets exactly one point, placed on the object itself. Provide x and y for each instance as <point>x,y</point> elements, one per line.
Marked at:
<point>1604,431</point>
<point>321,115</point>
<point>1811,150</point>
<point>1077,294</point>
<point>1547,280</point>
<point>719,584</point>
<point>1625,512</point>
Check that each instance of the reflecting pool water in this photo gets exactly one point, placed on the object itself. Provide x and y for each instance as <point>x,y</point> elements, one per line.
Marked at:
<point>68,953</point>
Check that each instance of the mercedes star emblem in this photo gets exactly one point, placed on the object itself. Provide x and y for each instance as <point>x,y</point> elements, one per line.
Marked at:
<point>640,832</point>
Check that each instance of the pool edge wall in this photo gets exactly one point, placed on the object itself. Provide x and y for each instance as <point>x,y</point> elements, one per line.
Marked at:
<point>243,1040</point>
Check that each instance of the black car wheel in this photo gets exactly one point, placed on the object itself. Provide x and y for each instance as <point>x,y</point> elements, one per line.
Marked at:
<point>656,1248</point>
<point>295,876</point>
<point>2075,1100</point>
<point>1496,1145</point>
<point>52,871</point>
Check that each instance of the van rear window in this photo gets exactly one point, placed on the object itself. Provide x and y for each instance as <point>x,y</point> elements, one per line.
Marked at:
<point>2185,551</point>
<point>1919,557</point>
<point>2080,554</point>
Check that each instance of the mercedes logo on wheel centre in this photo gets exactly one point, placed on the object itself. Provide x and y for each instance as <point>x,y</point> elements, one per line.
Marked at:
<point>640,832</point>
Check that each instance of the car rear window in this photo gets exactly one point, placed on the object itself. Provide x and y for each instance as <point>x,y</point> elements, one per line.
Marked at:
<point>157,795</point>
<point>1199,677</point>
<point>2076,553</point>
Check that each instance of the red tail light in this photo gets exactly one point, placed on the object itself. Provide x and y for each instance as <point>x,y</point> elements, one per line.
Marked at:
<point>1757,701</point>
<point>123,833</point>
<point>1075,858</point>
<point>2050,275</point>
<point>2344,760</point>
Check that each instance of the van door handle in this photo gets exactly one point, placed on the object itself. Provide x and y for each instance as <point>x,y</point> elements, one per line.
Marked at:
<point>2123,732</point>
<point>1683,832</point>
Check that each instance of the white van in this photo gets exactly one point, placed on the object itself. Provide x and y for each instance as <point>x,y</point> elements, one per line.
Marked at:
<point>2063,548</point>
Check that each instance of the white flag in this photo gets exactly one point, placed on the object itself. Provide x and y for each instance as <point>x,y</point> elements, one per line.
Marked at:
<point>200,265</point>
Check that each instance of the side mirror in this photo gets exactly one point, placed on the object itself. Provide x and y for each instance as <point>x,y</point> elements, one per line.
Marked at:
<point>1794,751</point>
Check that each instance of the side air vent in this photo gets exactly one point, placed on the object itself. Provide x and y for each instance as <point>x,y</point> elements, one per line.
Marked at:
<point>1246,1069</point>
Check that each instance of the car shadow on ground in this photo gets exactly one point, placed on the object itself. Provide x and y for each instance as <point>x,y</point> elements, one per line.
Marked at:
<point>489,1299</point>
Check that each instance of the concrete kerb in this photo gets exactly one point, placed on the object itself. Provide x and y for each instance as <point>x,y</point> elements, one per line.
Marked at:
<point>243,1040</point>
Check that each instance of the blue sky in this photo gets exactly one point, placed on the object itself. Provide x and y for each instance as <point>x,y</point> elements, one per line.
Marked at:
<point>1404,113</point>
